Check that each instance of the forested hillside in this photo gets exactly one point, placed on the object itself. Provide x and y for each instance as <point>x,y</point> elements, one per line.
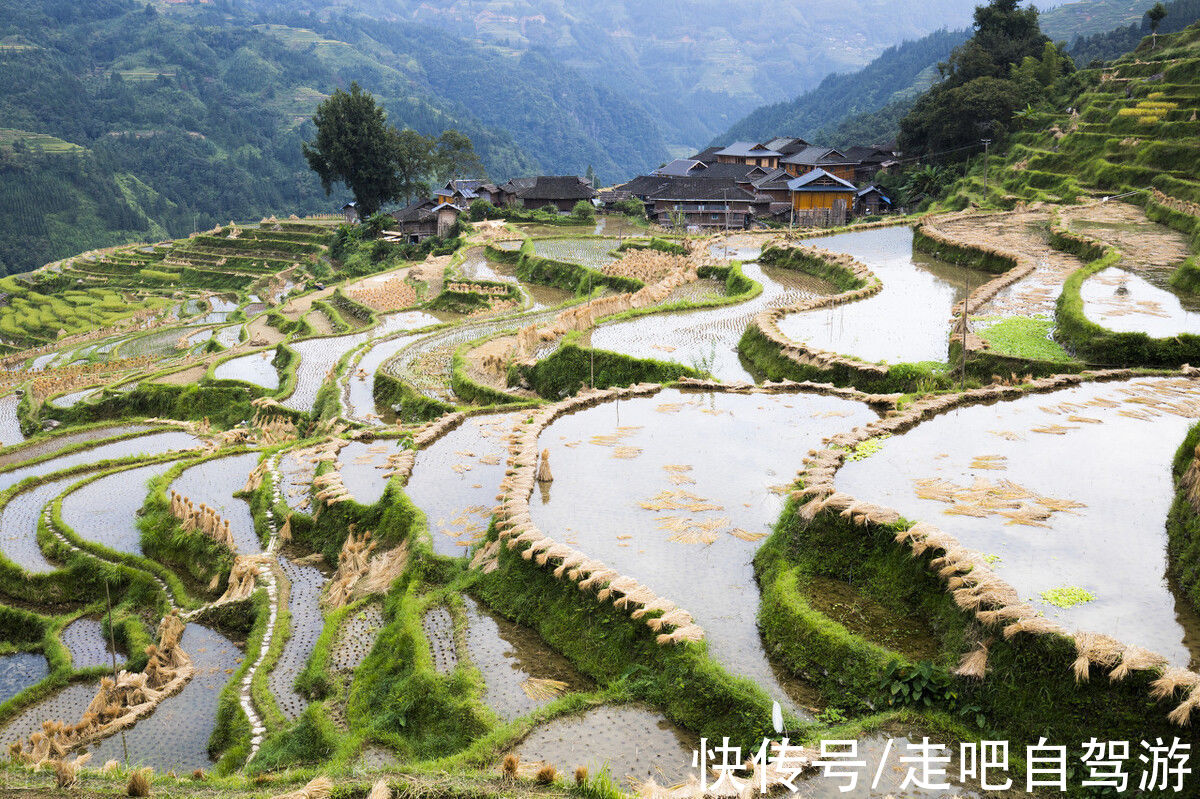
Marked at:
<point>899,74</point>
<point>120,122</point>
<point>867,105</point>
<point>1115,43</point>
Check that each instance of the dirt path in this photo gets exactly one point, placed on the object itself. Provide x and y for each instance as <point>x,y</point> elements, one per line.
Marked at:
<point>297,307</point>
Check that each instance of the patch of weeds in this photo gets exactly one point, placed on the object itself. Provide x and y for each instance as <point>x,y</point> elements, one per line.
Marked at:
<point>1067,596</point>
<point>1023,337</point>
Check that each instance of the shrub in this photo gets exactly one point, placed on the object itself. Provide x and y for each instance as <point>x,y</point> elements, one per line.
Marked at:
<point>633,207</point>
<point>584,211</point>
<point>549,209</point>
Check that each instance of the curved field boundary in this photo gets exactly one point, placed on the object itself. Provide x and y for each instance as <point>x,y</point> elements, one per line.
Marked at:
<point>1094,342</point>
<point>973,584</point>
<point>516,528</point>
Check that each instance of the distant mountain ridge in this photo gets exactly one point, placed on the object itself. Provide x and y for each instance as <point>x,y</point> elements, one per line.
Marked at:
<point>696,66</point>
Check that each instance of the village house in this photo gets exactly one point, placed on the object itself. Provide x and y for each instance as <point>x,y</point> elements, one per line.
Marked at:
<point>423,219</point>
<point>750,154</point>
<point>819,189</point>
<point>463,192</point>
<point>703,203</point>
<point>560,191</point>
<point>831,160</point>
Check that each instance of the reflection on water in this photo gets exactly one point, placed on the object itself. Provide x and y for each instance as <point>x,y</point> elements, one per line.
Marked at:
<point>707,339</point>
<point>19,523</point>
<point>256,368</point>
<point>105,510</point>
<point>213,483</point>
<point>1129,303</point>
<point>19,671</point>
<point>676,490</point>
<point>1112,544</point>
<point>907,321</point>
<point>455,480</point>
<point>364,467</point>
<point>152,444</point>
<point>176,735</point>
<point>477,266</point>
<point>509,656</point>
<point>40,448</point>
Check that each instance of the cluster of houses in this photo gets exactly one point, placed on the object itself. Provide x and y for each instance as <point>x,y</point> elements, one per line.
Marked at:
<point>785,180</point>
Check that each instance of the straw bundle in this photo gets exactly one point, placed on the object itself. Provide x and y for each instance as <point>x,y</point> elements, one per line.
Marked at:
<point>1135,658</point>
<point>543,473</point>
<point>1094,649</point>
<point>542,689</point>
<point>380,790</point>
<point>1038,625</point>
<point>1171,681</point>
<point>1182,715</point>
<point>317,788</point>
<point>66,772</point>
<point>974,663</point>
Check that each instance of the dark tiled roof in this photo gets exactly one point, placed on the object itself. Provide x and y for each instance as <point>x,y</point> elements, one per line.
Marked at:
<point>863,192</point>
<point>811,156</point>
<point>558,187</point>
<point>417,212</point>
<point>747,149</point>
<point>820,180</point>
<point>787,145</point>
<point>700,189</point>
<point>679,167</point>
<point>643,185</point>
<point>729,172</point>
<point>707,155</point>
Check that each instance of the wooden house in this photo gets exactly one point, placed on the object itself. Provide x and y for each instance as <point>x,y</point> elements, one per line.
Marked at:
<point>350,212</point>
<point>750,154</point>
<point>463,192</point>
<point>704,203</point>
<point>423,219</point>
<point>828,159</point>
<point>871,201</point>
<point>560,191</point>
<point>819,189</point>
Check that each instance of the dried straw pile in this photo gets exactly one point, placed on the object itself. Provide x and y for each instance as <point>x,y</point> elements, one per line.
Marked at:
<point>118,704</point>
<point>358,574</point>
<point>202,519</point>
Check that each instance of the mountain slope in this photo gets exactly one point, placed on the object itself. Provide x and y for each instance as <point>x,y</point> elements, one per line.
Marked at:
<point>696,65</point>
<point>204,113</point>
<point>899,73</point>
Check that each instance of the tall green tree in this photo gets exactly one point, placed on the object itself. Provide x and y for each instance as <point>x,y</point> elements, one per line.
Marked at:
<point>1006,65</point>
<point>355,146</point>
<point>1155,15</point>
<point>454,156</point>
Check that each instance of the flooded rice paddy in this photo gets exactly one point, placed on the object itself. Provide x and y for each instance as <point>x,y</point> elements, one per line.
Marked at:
<point>151,444</point>
<point>20,671</point>
<point>477,266</point>
<point>307,620</point>
<point>10,426</point>
<point>707,339</point>
<point>438,626</point>
<point>68,705</point>
<point>455,480</point>
<point>359,386</point>
<point>1098,525</point>
<point>364,467</point>
<point>1127,302</point>
<point>85,639</point>
<point>176,735</point>
<point>520,671</point>
<point>105,510</point>
<point>257,368</point>
<point>634,742</point>
<point>677,490</point>
<point>296,487</point>
<point>213,483</point>
<point>356,638</point>
<point>908,321</point>
<point>40,448</point>
<point>19,523</point>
